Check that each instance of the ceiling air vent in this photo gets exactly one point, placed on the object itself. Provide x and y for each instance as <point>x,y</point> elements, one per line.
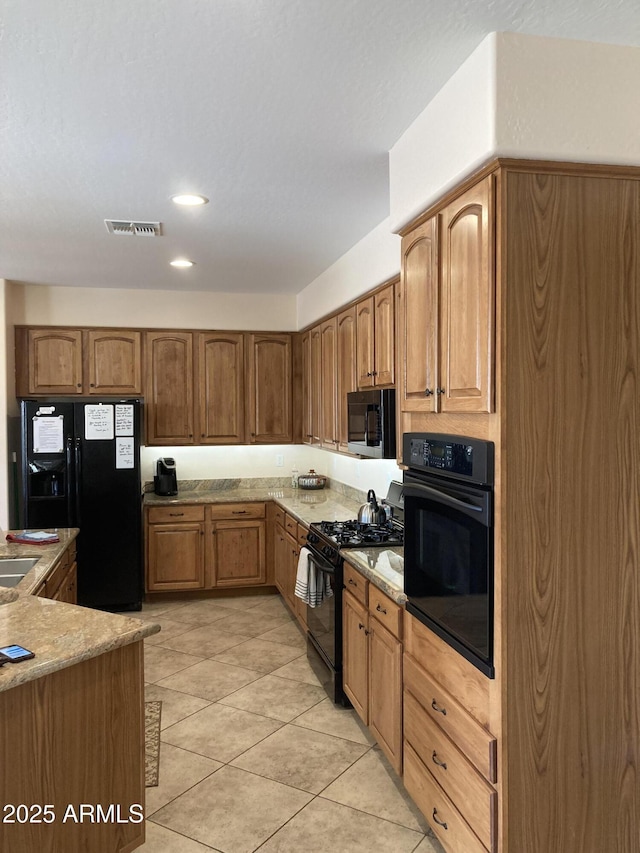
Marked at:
<point>140,229</point>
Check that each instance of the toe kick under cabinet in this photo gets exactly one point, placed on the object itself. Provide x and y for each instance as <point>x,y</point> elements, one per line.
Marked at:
<point>199,547</point>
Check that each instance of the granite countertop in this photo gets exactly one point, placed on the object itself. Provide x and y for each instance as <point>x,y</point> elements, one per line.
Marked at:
<point>47,555</point>
<point>382,566</point>
<point>60,634</point>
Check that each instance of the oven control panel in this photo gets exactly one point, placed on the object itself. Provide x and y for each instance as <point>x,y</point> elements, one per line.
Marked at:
<point>456,456</point>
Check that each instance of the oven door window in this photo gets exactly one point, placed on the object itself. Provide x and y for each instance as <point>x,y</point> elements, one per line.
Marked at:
<point>448,558</point>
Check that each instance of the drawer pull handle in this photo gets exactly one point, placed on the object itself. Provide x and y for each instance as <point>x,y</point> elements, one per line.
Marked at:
<point>437,761</point>
<point>352,582</point>
<point>175,514</point>
<point>238,512</point>
<point>381,610</point>
<point>441,823</point>
<point>434,705</point>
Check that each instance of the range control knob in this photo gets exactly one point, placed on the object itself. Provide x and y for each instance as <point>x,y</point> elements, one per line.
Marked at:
<point>326,550</point>
<point>312,538</point>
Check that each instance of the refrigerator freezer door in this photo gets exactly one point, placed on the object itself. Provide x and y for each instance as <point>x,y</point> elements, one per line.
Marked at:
<point>109,503</point>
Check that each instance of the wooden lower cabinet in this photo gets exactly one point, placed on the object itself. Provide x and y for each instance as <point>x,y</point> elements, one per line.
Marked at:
<point>62,581</point>
<point>191,546</point>
<point>289,538</point>
<point>449,756</point>
<point>372,661</point>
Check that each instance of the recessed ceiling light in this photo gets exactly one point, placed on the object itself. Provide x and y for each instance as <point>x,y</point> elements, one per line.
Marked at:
<point>189,199</point>
<point>182,263</point>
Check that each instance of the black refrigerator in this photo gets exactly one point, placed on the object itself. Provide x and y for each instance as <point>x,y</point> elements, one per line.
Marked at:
<point>80,467</point>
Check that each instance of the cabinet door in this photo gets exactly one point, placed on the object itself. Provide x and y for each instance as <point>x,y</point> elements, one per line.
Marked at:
<point>175,556</point>
<point>269,415</point>
<point>355,665</point>
<point>307,390</point>
<point>220,387</point>
<point>365,343</point>
<point>54,361</point>
<point>329,383</point>
<point>114,358</point>
<point>467,322</point>
<point>169,387</point>
<point>281,561</point>
<point>347,371</point>
<point>239,557</point>
<point>418,320</point>
<point>384,336</point>
<point>316,385</point>
<point>385,692</point>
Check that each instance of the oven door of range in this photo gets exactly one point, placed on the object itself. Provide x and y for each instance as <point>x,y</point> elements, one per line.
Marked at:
<point>321,619</point>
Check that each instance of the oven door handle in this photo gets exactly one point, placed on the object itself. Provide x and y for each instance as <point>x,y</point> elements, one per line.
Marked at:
<point>320,563</point>
<point>442,497</point>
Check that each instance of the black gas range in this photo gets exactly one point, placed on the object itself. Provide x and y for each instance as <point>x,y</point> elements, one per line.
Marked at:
<point>326,542</point>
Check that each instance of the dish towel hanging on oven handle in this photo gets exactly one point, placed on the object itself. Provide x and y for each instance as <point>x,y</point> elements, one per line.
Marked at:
<point>312,584</point>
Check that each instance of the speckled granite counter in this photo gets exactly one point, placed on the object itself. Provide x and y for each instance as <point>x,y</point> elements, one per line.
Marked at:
<point>47,556</point>
<point>382,566</point>
<point>60,634</point>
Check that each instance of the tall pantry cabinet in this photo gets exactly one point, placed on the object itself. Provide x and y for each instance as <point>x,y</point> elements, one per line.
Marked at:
<point>544,355</point>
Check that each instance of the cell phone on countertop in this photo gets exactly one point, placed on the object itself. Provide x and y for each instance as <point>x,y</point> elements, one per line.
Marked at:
<point>14,654</point>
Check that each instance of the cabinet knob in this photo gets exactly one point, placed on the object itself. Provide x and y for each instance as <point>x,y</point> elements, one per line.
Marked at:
<point>440,390</point>
<point>381,610</point>
<point>428,392</point>
<point>93,384</point>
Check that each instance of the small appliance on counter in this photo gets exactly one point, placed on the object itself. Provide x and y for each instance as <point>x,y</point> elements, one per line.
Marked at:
<point>165,482</point>
<point>312,480</point>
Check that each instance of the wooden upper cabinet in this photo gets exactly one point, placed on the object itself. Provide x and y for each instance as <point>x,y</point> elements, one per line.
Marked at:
<point>169,387</point>
<point>384,336</point>
<point>221,387</point>
<point>347,372</point>
<point>269,416</point>
<point>305,352</point>
<point>418,320</point>
<point>329,383</point>
<point>48,361</point>
<point>114,361</point>
<point>467,301</point>
<point>316,385</point>
<point>365,343</point>
<point>375,317</point>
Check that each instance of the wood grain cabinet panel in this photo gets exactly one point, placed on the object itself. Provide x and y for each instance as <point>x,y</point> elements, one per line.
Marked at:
<point>269,380</point>
<point>114,361</point>
<point>48,361</point>
<point>169,388</point>
<point>220,385</point>
<point>355,666</point>
<point>329,374</point>
<point>307,389</point>
<point>316,385</point>
<point>237,555</point>
<point>384,336</point>
<point>175,556</point>
<point>347,373</point>
<point>385,691</point>
<point>365,343</point>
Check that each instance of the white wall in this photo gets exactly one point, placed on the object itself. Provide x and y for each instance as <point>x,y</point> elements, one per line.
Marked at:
<point>213,463</point>
<point>87,306</point>
<point>373,260</point>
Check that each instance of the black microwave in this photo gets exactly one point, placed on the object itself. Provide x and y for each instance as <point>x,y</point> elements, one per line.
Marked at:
<point>372,423</point>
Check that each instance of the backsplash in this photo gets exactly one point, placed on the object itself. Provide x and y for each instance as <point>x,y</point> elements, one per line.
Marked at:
<point>271,483</point>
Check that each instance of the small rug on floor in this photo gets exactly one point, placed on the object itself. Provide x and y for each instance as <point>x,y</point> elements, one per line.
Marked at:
<point>152,712</point>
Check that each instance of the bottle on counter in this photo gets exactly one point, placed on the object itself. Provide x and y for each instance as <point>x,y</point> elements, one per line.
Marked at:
<point>294,478</point>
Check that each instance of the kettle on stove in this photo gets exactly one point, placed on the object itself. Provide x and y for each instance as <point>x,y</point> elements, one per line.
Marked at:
<point>165,482</point>
<point>372,512</point>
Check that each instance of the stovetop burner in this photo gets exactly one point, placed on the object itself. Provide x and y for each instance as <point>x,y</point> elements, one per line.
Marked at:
<point>354,534</point>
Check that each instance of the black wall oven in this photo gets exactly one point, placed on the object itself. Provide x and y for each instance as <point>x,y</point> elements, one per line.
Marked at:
<point>448,548</point>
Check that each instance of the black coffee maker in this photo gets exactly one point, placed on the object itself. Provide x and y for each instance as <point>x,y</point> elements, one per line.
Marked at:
<point>165,481</point>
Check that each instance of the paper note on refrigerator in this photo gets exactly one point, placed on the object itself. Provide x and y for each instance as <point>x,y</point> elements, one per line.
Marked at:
<point>124,419</point>
<point>124,452</point>
<point>98,422</point>
<point>48,434</point>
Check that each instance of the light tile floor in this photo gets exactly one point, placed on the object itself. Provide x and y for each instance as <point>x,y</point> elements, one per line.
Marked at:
<point>253,755</point>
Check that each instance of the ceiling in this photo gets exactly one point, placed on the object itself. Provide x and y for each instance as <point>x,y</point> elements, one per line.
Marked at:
<point>280,111</point>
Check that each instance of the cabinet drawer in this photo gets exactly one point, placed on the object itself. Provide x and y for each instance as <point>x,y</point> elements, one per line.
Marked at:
<point>302,534</point>
<point>445,820</point>
<point>385,611</point>
<point>477,744</point>
<point>473,796</point>
<point>177,512</point>
<point>291,525</point>
<point>239,511</point>
<point>278,515</point>
<point>355,583</point>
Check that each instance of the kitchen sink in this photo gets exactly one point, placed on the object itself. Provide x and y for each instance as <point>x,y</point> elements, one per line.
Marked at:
<point>13,569</point>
